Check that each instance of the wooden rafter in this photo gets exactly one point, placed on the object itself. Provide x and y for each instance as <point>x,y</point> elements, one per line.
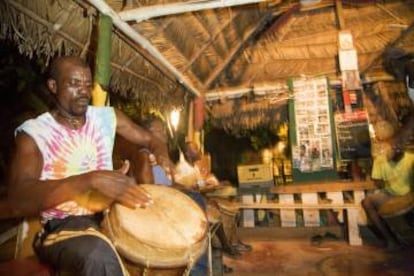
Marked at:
<point>206,45</point>
<point>339,14</point>
<point>219,69</point>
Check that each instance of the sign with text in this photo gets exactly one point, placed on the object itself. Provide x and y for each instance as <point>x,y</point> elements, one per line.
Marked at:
<point>352,134</point>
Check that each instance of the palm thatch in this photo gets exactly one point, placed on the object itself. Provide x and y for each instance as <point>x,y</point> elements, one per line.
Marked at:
<point>165,60</point>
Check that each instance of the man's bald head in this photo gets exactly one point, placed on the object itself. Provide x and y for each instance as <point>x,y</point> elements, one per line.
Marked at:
<point>58,65</point>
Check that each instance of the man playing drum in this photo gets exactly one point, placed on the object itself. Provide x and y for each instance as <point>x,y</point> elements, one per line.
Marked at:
<point>217,209</point>
<point>66,153</point>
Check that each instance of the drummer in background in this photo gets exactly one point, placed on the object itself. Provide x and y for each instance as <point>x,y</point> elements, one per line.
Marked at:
<point>65,153</point>
<point>143,163</point>
<point>207,181</point>
<point>392,173</point>
<point>400,65</point>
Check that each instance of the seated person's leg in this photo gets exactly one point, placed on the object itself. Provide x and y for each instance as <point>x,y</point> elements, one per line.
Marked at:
<point>371,205</point>
<point>200,268</point>
<point>67,247</point>
<point>225,243</point>
<point>83,255</point>
<point>198,198</point>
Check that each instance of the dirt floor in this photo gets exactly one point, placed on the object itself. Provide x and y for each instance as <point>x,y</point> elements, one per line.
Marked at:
<point>293,252</point>
<point>295,255</point>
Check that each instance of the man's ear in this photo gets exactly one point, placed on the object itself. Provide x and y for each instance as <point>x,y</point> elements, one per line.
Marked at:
<point>51,84</point>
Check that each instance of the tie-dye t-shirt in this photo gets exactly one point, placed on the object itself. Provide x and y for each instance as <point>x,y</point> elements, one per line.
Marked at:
<point>68,152</point>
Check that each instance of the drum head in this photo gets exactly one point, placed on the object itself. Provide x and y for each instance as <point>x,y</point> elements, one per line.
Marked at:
<point>397,206</point>
<point>170,233</point>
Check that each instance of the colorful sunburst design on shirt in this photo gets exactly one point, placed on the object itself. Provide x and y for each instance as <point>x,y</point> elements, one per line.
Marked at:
<point>67,152</point>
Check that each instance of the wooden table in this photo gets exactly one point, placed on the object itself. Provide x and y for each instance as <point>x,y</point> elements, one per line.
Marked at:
<point>313,197</point>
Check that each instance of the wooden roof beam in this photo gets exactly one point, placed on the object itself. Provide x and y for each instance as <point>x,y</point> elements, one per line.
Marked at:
<point>339,14</point>
<point>206,45</point>
<point>144,13</point>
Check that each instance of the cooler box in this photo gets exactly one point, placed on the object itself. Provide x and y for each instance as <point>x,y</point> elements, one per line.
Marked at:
<point>260,175</point>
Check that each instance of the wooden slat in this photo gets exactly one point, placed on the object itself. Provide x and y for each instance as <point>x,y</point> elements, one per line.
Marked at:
<point>287,217</point>
<point>331,186</point>
<point>336,198</point>
<point>362,217</point>
<point>248,215</point>
<point>354,236</point>
<point>310,216</point>
<point>294,206</point>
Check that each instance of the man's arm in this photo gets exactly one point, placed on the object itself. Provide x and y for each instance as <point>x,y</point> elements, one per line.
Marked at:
<point>28,195</point>
<point>380,184</point>
<point>139,136</point>
<point>142,168</point>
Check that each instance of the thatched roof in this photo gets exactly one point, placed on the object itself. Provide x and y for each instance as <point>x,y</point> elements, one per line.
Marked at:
<point>161,57</point>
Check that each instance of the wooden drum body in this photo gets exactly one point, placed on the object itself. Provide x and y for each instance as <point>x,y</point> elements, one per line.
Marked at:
<point>398,213</point>
<point>225,212</point>
<point>229,216</point>
<point>170,235</point>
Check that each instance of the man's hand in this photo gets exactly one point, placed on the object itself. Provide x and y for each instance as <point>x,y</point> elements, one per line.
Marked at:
<point>379,183</point>
<point>120,187</point>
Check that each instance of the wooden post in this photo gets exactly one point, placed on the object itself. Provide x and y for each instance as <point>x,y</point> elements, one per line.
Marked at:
<point>340,18</point>
<point>311,217</point>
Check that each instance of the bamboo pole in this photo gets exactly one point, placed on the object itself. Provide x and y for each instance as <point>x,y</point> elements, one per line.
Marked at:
<point>103,61</point>
<point>144,43</point>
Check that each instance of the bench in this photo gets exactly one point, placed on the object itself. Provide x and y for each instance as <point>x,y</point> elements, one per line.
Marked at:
<point>311,198</point>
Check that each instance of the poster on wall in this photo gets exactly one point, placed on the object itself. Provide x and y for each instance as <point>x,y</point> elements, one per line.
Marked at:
<point>313,148</point>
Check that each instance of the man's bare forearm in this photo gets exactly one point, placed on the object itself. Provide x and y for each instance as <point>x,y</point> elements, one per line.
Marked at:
<point>21,202</point>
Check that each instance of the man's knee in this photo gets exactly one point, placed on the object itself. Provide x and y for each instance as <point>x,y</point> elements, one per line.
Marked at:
<point>95,256</point>
<point>83,255</point>
<point>366,204</point>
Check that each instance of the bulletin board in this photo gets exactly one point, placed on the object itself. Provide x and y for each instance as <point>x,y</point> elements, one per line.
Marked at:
<point>312,132</point>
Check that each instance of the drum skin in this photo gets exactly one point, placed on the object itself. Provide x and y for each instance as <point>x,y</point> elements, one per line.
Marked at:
<point>170,233</point>
<point>397,212</point>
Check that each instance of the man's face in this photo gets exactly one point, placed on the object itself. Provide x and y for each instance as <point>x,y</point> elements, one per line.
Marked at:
<point>73,88</point>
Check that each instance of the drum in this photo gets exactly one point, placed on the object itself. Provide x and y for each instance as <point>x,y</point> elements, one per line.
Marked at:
<point>397,205</point>
<point>166,238</point>
<point>398,213</point>
<point>229,215</point>
<point>226,212</point>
